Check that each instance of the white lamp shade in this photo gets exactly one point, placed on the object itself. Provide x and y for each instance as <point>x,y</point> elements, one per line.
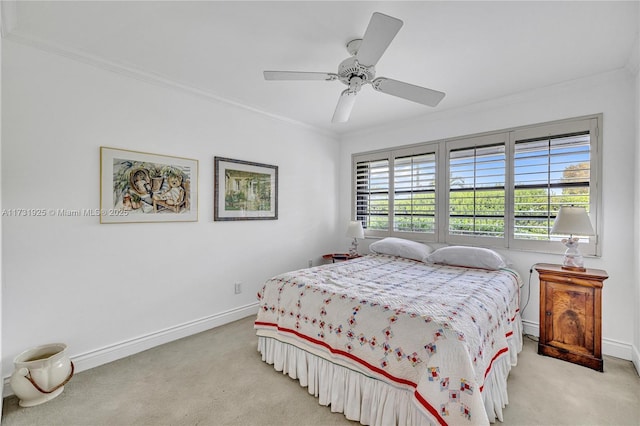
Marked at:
<point>355,230</point>
<point>572,220</point>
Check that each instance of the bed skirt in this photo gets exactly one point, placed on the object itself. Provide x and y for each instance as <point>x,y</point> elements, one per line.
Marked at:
<point>368,400</point>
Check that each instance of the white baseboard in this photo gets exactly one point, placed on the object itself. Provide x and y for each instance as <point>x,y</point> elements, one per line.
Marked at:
<point>129,347</point>
<point>530,327</point>
<point>636,359</point>
<point>609,346</point>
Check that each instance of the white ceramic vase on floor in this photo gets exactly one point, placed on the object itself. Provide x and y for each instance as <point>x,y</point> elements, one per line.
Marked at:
<point>41,373</point>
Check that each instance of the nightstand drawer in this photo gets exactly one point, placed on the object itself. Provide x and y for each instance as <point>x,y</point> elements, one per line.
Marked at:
<point>571,280</point>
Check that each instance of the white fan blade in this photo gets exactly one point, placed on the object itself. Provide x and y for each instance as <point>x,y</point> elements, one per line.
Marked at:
<point>297,75</point>
<point>344,107</point>
<point>379,34</point>
<point>408,91</point>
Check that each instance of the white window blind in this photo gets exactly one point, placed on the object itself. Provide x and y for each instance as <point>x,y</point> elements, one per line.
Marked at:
<point>477,191</point>
<point>372,193</point>
<point>500,189</point>
<point>554,165</point>
<point>414,193</point>
<point>549,173</point>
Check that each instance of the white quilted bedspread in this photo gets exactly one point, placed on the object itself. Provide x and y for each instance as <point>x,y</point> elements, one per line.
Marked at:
<point>437,331</point>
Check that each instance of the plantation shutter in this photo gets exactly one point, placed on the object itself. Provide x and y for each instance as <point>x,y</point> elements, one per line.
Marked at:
<point>500,189</point>
<point>549,173</point>
<point>372,194</point>
<point>476,205</point>
<point>414,191</point>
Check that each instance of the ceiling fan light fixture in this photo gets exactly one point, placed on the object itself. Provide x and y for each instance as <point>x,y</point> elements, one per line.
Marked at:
<point>355,83</point>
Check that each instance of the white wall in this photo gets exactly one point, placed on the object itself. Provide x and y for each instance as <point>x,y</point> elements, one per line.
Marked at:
<point>109,290</point>
<point>611,94</point>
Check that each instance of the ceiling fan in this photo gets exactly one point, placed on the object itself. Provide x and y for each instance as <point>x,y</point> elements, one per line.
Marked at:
<point>359,69</point>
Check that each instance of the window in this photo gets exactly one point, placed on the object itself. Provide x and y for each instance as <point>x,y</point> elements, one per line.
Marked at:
<point>477,173</point>
<point>414,190</point>
<point>402,182</point>
<point>372,193</point>
<point>553,166</point>
<point>502,189</point>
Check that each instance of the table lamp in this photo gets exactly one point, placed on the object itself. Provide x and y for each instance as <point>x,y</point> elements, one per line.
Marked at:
<point>355,231</point>
<point>572,220</point>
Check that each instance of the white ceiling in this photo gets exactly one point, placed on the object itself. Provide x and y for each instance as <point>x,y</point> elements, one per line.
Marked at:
<point>474,51</point>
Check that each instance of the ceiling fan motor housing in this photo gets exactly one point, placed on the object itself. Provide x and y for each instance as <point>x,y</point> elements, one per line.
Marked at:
<point>350,68</point>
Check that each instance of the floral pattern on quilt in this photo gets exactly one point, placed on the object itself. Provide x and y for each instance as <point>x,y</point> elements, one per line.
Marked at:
<point>433,329</point>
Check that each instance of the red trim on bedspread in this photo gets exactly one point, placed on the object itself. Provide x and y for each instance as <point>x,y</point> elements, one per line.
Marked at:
<point>510,333</point>
<point>430,408</point>
<point>486,373</point>
<point>419,397</point>
<point>339,352</point>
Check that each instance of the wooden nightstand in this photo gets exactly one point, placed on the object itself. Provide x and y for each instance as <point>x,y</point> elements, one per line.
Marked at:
<point>571,314</point>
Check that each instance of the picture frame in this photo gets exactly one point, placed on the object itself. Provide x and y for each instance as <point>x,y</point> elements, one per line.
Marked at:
<point>143,187</point>
<point>244,190</point>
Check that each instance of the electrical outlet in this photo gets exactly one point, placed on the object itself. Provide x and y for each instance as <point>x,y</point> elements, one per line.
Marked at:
<point>310,263</point>
<point>237,288</point>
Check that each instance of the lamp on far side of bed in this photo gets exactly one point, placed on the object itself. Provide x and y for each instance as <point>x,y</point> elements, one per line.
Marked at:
<point>572,220</point>
<point>355,231</point>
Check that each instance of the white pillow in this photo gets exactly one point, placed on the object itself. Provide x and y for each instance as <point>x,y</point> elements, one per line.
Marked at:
<point>471,257</point>
<point>400,247</point>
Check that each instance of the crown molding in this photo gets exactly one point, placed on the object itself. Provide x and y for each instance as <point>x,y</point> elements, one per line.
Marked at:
<point>483,106</point>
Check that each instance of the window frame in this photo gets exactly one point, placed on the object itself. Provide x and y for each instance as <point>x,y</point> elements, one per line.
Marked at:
<point>355,160</point>
<point>390,156</point>
<point>474,142</point>
<point>591,248</point>
<point>442,148</point>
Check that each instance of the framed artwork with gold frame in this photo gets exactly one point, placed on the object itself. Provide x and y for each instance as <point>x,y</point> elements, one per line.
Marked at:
<point>244,190</point>
<point>143,187</point>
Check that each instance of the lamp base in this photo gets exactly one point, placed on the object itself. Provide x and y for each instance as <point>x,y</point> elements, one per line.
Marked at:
<point>573,260</point>
<point>353,251</point>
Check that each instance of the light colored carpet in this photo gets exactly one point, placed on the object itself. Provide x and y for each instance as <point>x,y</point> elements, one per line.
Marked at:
<point>218,378</point>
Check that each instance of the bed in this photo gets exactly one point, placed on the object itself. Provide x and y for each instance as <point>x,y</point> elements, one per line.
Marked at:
<point>387,339</point>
